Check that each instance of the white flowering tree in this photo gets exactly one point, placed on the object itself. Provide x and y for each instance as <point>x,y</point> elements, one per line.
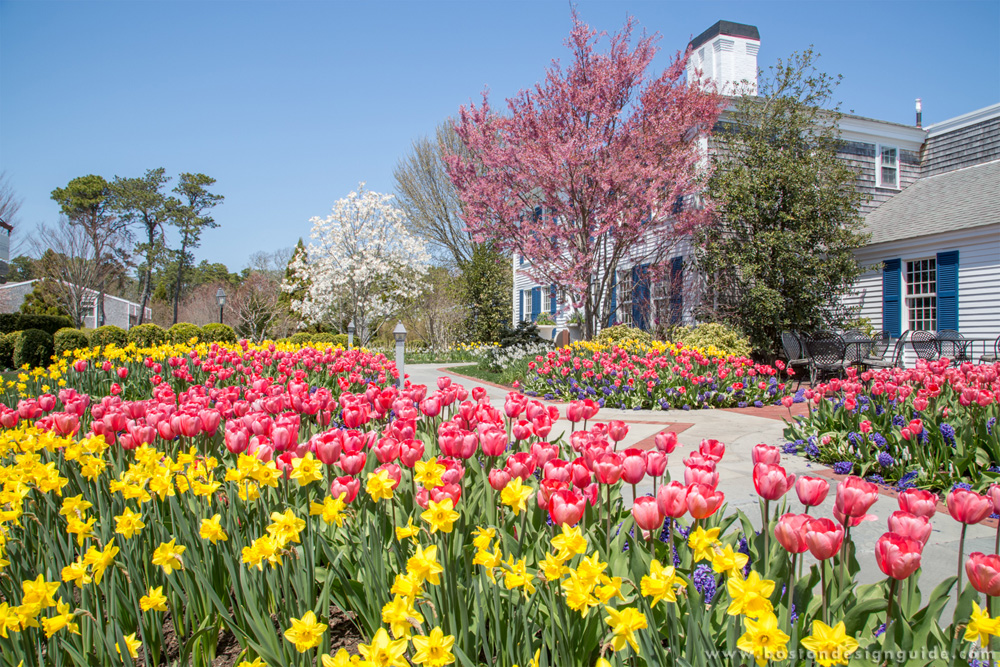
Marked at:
<point>362,264</point>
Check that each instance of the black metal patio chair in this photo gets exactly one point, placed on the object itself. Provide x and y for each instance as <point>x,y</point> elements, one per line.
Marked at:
<point>925,346</point>
<point>953,345</point>
<point>858,344</point>
<point>826,352</point>
<point>795,351</point>
<point>878,344</point>
<point>992,358</point>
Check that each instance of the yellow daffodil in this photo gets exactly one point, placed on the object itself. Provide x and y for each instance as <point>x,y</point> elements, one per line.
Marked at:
<point>331,510</point>
<point>515,495</point>
<point>433,650</point>
<point>211,529</point>
<point>763,639</point>
<point>750,595</point>
<point>132,644</point>
<point>285,527</point>
<point>168,556</point>
<point>400,615</point>
<point>306,469</point>
<point>408,531</point>
<point>380,485</point>
<point>77,573</point>
<point>154,600</point>
<point>101,560</point>
<point>482,537</point>
<point>516,576</point>
<point>341,659</point>
<point>624,625</point>
<point>981,627</point>
<point>256,663</point>
<point>128,523</point>
<point>306,632</point>
<point>727,561</point>
<point>424,566</point>
<point>428,473</point>
<point>384,652</point>
<point>440,516</point>
<point>490,560</point>
<point>703,542</point>
<point>552,567</point>
<point>570,542</point>
<point>830,646</point>
<point>62,619</point>
<point>660,583</point>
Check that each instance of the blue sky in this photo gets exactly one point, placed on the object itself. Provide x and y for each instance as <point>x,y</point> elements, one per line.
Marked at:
<point>290,104</point>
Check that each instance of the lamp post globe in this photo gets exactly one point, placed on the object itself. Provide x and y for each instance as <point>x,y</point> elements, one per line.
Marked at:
<point>220,299</point>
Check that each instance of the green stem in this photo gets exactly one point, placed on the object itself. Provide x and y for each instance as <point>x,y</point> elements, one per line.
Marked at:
<point>888,612</point>
<point>961,552</point>
<point>822,572</point>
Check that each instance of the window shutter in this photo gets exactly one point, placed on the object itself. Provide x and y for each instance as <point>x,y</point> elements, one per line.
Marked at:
<point>676,290</point>
<point>892,313</point>
<point>612,320</point>
<point>520,308</point>
<point>947,290</point>
<point>552,299</point>
<point>640,296</point>
<point>536,302</point>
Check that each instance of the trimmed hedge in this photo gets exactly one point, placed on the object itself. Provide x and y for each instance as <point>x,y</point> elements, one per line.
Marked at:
<point>10,322</point>
<point>619,333</point>
<point>182,332</point>
<point>304,338</point>
<point>7,344</point>
<point>107,335</point>
<point>216,332</point>
<point>34,347</point>
<point>69,338</point>
<point>147,335</point>
<point>726,338</point>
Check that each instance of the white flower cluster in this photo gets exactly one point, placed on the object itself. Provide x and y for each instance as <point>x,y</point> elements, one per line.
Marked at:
<point>362,264</point>
<point>497,359</point>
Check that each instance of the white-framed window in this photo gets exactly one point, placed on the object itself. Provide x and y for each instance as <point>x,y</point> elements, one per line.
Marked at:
<point>547,299</point>
<point>625,298</point>
<point>921,294</point>
<point>887,167</point>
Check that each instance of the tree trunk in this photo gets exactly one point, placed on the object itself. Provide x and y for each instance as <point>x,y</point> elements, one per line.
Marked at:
<point>180,274</point>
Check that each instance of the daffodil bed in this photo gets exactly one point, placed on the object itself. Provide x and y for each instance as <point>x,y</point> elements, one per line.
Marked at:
<point>660,376</point>
<point>250,489</point>
<point>931,427</point>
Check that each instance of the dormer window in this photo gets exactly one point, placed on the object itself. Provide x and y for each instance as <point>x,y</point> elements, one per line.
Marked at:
<point>887,168</point>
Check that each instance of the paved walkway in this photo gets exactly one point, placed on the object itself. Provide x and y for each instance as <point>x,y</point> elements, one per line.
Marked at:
<point>741,430</point>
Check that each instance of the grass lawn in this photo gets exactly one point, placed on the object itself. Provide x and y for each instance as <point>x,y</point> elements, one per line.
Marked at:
<point>505,377</point>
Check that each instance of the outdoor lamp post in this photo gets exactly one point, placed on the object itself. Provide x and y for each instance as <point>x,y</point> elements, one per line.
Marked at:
<point>399,333</point>
<point>220,298</point>
<point>350,334</point>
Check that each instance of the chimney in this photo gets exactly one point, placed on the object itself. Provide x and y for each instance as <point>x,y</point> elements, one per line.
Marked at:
<point>726,55</point>
<point>920,109</point>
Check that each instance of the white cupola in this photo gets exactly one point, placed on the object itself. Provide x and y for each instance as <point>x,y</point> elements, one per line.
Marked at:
<point>726,56</point>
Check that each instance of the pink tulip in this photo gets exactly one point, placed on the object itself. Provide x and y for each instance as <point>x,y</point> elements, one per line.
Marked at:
<point>897,556</point>
<point>919,502</point>
<point>993,493</point>
<point>498,478</point>
<point>633,466</point>
<point>703,501</point>
<point>666,441</point>
<point>771,481</point>
<point>617,430</point>
<point>352,464</point>
<point>558,470</point>
<point>699,475</point>
<point>521,464</point>
<point>823,537</point>
<point>575,411</point>
<point>608,468</point>
<point>346,485</point>
<point>984,573</point>
<point>236,441</point>
<point>812,491</point>
<point>790,531</point>
<point>493,441</point>
<point>765,454</point>
<point>566,507</point>
<point>968,507</point>
<point>451,491</point>
<point>672,499</point>
<point>656,463</point>
<point>387,450</point>
<point>855,496</point>
<point>646,514</point>
<point>712,449</point>
<point>910,525</point>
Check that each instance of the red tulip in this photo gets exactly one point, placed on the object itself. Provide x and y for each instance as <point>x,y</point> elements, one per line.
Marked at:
<point>633,466</point>
<point>410,451</point>
<point>352,464</point>
<point>431,407</point>
<point>968,506</point>
<point>910,525</point>
<point>559,470</point>
<point>672,499</point>
<point>703,501</point>
<point>499,477</point>
<point>575,411</point>
<point>656,463</point>
<point>771,481</point>
<point>823,537</point>
<point>811,490</point>
<point>919,502</point>
<point>493,441</point>
<point>666,441</point>
<point>765,454</point>
<point>984,573</point>
<point>791,533</point>
<point>993,493</point>
<point>617,430</point>
<point>566,507</point>
<point>646,514</point>
<point>897,556</point>
<point>347,485</point>
<point>699,475</point>
<point>452,491</point>
<point>521,465</point>
<point>712,449</point>
<point>236,440</point>
<point>608,468</point>
<point>855,496</point>
<point>387,450</point>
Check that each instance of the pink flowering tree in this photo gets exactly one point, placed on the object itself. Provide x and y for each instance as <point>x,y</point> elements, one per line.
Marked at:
<point>586,169</point>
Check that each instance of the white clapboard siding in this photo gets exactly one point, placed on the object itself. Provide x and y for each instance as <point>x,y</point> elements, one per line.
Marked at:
<point>978,278</point>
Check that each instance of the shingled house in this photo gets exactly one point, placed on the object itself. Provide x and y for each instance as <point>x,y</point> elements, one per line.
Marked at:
<point>933,208</point>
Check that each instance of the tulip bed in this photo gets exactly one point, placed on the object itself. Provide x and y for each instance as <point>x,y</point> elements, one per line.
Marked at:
<point>254,491</point>
<point>928,427</point>
<point>662,376</point>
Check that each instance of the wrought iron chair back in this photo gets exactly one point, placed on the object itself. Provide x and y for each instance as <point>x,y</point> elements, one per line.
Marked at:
<point>826,348</point>
<point>858,345</point>
<point>952,344</point>
<point>925,345</point>
<point>879,344</point>
<point>792,345</point>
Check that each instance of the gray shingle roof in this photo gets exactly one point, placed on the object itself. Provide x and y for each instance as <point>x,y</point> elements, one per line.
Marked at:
<point>959,199</point>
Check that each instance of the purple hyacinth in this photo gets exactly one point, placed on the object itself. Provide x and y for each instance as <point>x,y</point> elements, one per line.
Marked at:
<point>843,467</point>
<point>885,460</point>
<point>704,581</point>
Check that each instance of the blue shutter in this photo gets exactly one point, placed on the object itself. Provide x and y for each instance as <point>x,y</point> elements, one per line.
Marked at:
<point>536,302</point>
<point>676,290</point>
<point>640,296</point>
<point>520,260</point>
<point>552,299</point>
<point>520,309</point>
<point>612,312</point>
<point>947,290</point>
<point>892,313</point>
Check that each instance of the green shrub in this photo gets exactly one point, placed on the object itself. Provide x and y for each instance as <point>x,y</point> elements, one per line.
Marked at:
<point>182,332</point>
<point>305,337</point>
<point>147,335</point>
<point>50,324</point>
<point>620,334</point>
<point>107,335</point>
<point>217,332</point>
<point>525,333</point>
<point>69,338</point>
<point>726,338</point>
<point>34,347</point>
<point>7,344</point>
